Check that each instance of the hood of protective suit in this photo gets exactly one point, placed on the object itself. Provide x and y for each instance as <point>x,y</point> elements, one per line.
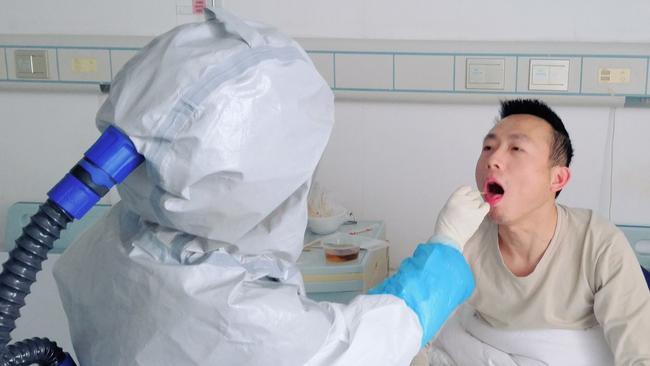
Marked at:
<point>232,118</point>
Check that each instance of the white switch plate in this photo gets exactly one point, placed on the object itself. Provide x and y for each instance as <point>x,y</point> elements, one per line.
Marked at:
<point>485,73</point>
<point>31,64</point>
<point>549,75</point>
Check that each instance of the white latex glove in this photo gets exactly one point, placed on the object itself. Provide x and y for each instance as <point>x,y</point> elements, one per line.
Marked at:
<point>461,216</point>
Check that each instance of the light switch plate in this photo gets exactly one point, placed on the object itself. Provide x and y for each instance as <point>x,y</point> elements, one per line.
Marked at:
<point>548,74</point>
<point>31,64</point>
<point>485,73</point>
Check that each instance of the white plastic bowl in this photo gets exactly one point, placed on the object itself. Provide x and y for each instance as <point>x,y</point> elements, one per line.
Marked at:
<point>327,224</point>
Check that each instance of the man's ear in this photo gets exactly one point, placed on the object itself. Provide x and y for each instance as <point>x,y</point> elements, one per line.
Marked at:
<point>560,177</point>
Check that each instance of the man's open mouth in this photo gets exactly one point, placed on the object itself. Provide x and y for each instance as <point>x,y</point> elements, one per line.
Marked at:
<point>494,188</point>
<point>493,192</point>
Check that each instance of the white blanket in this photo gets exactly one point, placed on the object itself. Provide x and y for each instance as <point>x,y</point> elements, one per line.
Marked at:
<point>469,340</point>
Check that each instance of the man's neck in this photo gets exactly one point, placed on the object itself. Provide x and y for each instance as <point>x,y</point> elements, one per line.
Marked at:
<point>523,243</point>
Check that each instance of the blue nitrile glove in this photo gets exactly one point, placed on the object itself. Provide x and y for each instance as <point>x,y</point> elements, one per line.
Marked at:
<point>433,282</point>
<point>436,279</point>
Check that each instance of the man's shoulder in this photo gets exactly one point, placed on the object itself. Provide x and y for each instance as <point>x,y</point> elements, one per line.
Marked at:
<point>579,213</point>
<point>586,217</point>
<point>591,225</point>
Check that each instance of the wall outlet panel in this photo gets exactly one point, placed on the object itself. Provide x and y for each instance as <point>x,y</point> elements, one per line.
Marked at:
<point>600,73</point>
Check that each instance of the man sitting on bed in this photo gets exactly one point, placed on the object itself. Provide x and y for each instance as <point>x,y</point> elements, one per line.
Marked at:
<point>554,285</point>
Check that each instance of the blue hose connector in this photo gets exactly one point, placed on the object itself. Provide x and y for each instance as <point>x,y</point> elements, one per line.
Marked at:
<point>108,162</point>
<point>115,154</point>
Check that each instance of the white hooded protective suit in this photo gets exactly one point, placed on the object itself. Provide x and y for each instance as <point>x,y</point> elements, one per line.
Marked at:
<point>196,264</point>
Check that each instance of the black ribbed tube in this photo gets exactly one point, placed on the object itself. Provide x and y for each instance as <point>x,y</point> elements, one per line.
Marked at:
<point>19,273</point>
<point>41,351</point>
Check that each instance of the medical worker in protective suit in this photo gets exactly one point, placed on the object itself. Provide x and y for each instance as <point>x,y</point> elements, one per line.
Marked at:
<point>197,263</point>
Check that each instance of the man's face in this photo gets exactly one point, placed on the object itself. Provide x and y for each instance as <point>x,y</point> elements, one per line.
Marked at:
<point>514,169</point>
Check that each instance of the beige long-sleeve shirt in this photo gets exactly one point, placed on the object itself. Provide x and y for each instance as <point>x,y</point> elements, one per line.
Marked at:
<point>588,275</point>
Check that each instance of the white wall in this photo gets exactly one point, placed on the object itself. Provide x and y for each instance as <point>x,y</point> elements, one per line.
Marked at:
<point>494,20</point>
<point>43,136</point>
<point>548,20</point>
<point>391,161</point>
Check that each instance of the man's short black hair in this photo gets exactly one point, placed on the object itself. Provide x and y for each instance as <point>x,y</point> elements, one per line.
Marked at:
<point>561,149</point>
